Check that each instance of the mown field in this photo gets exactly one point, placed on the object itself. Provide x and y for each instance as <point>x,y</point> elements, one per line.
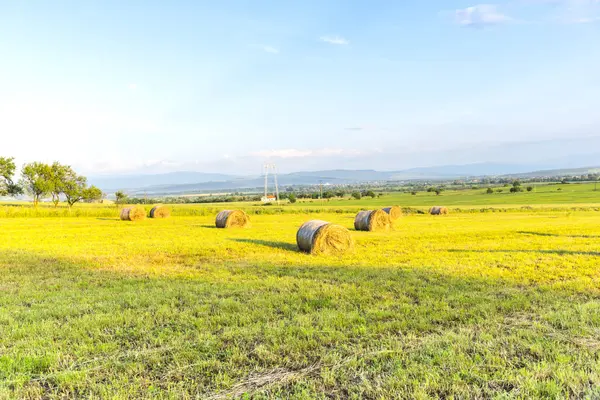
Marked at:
<point>470,305</point>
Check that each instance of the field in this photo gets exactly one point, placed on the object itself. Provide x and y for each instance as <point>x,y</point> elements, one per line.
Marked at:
<point>470,305</point>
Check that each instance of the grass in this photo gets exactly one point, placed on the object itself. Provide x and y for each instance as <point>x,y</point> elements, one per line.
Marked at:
<point>574,197</point>
<point>470,305</point>
<point>543,194</point>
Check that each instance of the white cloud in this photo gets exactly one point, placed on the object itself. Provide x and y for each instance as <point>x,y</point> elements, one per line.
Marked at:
<point>337,40</point>
<point>270,49</point>
<point>480,15</point>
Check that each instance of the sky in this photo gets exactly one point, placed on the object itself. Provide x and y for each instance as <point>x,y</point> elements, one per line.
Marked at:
<point>118,86</point>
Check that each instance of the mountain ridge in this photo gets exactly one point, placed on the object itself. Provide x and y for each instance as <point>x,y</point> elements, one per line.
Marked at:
<point>189,181</point>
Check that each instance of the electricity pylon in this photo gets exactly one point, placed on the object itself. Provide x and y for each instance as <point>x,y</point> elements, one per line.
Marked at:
<point>273,169</point>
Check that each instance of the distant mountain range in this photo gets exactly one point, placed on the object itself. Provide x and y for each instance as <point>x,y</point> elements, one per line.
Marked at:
<point>197,182</point>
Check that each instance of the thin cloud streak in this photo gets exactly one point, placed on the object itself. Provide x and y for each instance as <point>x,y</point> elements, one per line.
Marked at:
<point>270,49</point>
<point>337,40</point>
<point>480,15</point>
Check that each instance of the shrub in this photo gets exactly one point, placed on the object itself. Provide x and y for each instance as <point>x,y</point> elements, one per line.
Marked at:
<point>490,191</point>
<point>356,195</point>
<point>369,193</point>
<point>529,188</point>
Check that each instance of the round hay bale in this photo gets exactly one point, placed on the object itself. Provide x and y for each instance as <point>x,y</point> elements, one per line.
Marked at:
<point>321,237</point>
<point>133,214</point>
<point>160,212</point>
<point>437,210</point>
<point>371,221</point>
<point>395,212</point>
<point>232,219</point>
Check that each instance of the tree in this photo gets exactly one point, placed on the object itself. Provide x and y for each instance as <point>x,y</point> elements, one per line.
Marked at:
<point>58,176</point>
<point>490,191</point>
<point>529,188</point>
<point>7,171</point>
<point>516,187</point>
<point>356,195</point>
<point>292,198</point>
<point>438,191</point>
<point>413,193</point>
<point>37,180</point>
<point>75,188</point>
<point>92,193</point>
<point>369,193</point>
<point>328,194</point>
<point>121,197</point>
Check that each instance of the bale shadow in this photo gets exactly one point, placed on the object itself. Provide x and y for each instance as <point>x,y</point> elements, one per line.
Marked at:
<point>557,235</point>
<point>270,243</point>
<point>108,219</point>
<point>205,226</point>
<point>559,252</point>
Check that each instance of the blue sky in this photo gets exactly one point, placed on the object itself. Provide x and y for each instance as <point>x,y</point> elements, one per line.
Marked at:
<point>221,86</point>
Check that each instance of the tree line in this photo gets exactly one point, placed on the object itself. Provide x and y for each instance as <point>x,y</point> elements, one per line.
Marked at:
<point>40,181</point>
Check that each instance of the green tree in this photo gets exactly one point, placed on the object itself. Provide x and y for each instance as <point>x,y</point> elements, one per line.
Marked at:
<point>516,187</point>
<point>356,195</point>
<point>58,176</point>
<point>292,198</point>
<point>74,187</point>
<point>121,197</point>
<point>490,191</point>
<point>328,194</point>
<point>92,193</point>
<point>36,179</point>
<point>7,171</point>
<point>370,193</point>
<point>529,188</point>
